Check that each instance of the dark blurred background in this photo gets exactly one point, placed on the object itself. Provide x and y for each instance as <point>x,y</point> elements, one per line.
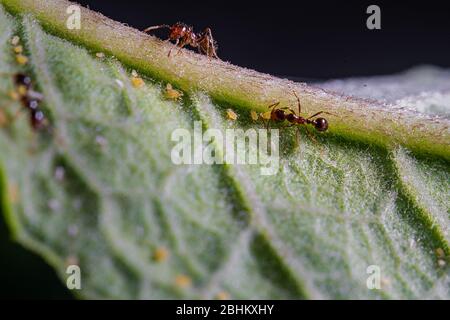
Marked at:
<point>311,40</point>
<point>307,39</point>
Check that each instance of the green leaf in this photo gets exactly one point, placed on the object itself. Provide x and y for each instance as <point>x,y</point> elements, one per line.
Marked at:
<point>100,189</point>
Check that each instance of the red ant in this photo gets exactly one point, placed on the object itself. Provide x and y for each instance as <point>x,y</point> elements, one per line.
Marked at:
<point>30,99</point>
<point>184,35</point>
<point>279,115</point>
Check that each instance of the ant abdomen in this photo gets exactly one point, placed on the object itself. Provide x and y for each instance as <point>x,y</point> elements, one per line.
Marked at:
<point>321,124</point>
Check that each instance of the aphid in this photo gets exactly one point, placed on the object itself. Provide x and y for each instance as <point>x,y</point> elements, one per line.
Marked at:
<point>184,35</point>
<point>279,115</point>
<point>171,93</point>
<point>21,59</point>
<point>18,49</point>
<point>15,40</point>
<point>137,82</point>
<point>161,254</point>
<point>29,99</point>
<point>254,115</point>
<point>266,115</point>
<point>231,115</point>
<point>183,281</point>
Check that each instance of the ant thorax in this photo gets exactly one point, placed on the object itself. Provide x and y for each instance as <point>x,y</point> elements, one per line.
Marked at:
<point>180,30</point>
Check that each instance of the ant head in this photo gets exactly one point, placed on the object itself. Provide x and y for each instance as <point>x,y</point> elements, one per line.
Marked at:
<point>178,30</point>
<point>321,124</point>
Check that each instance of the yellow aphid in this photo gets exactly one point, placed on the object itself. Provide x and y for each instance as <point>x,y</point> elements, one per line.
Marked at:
<point>137,82</point>
<point>22,90</point>
<point>161,254</point>
<point>100,55</point>
<point>266,115</point>
<point>15,40</point>
<point>440,253</point>
<point>222,295</point>
<point>18,49</point>
<point>254,115</point>
<point>231,115</point>
<point>13,193</point>
<point>3,118</point>
<point>172,93</point>
<point>21,59</point>
<point>183,281</point>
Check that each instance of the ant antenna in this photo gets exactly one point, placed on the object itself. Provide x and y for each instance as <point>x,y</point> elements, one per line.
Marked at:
<point>156,27</point>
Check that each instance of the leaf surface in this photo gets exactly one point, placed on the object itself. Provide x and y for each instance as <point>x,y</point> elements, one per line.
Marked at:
<point>100,190</point>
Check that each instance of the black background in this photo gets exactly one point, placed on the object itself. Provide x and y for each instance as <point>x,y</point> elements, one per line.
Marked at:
<point>312,40</point>
<point>307,39</point>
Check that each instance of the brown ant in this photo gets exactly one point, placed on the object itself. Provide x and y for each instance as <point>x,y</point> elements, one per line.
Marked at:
<point>184,35</point>
<point>29,99</point>
<point>279,115</point>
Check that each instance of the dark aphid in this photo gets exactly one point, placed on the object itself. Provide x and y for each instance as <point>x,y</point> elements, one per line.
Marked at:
<point>184,35</point>
<point>287,114</point>
<point>22,79</point>
<point>30,99</point>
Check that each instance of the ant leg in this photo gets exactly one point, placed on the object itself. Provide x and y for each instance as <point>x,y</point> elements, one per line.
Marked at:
<point>273,105</point>
<point>156,27</point>
<point>179,50</point>
<point>297,137</point>
<point>181,44</point>
<point>296,133</point>
<point>299,105</point>
<point>211,48</point>
<point>310,134</point>
<point>287,108</point>
<point>315,114</point>
<point>176,44</point>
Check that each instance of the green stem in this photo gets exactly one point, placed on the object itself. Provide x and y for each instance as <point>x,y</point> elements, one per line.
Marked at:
<point>353,118</point>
